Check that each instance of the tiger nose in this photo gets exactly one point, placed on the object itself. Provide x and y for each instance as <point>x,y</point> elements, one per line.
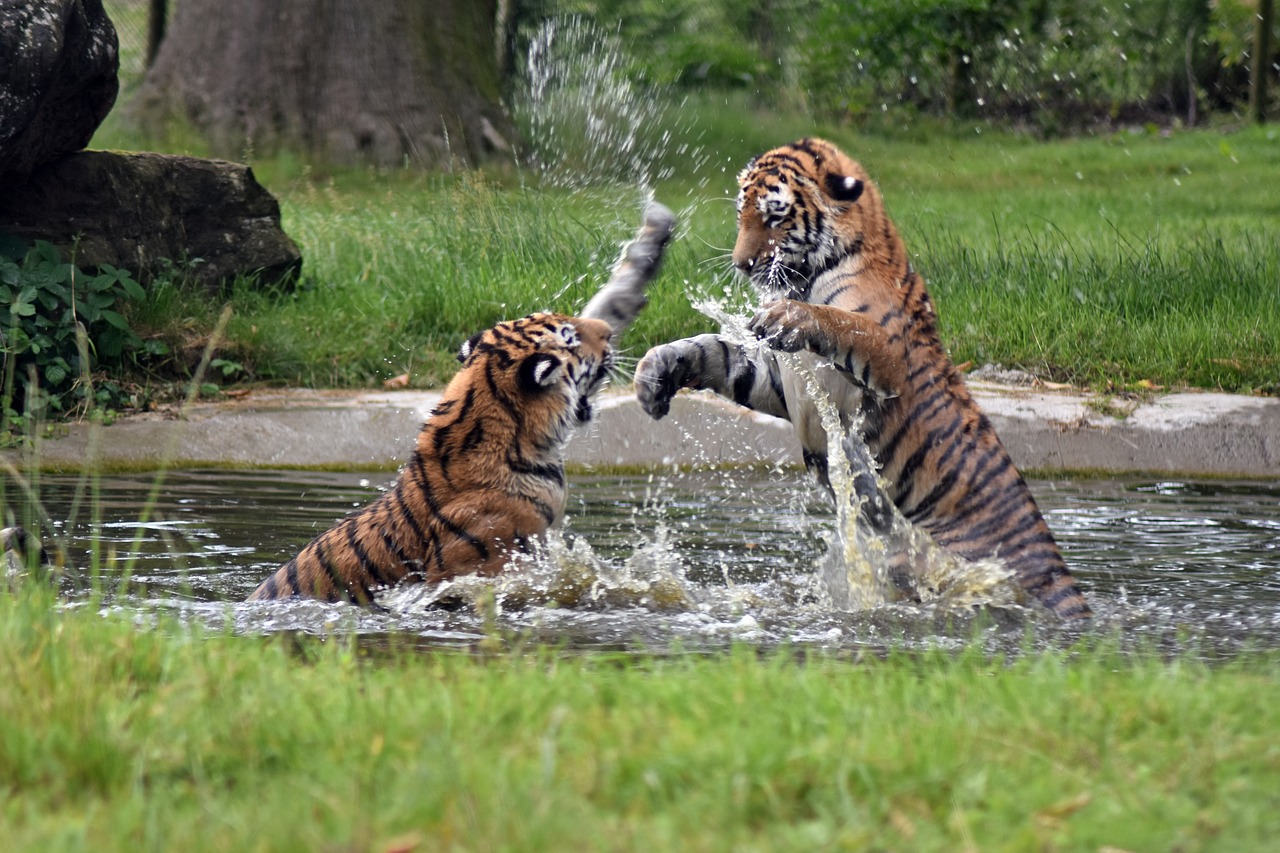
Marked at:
<point>745,251</point>
<point>594,331</point>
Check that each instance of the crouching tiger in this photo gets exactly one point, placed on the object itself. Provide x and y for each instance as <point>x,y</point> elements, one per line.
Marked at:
<point>487,474</point>
<point>838,289</point>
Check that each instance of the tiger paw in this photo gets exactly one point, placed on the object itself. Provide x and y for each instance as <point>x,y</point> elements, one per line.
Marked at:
<point>622,298</point>
<point>789,326</point>
<point>662,372</point>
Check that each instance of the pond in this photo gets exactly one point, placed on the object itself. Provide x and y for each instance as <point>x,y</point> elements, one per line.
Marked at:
<point>682,559</point>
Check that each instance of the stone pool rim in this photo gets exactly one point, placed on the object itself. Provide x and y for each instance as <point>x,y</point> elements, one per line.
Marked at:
<point>1049,431</point>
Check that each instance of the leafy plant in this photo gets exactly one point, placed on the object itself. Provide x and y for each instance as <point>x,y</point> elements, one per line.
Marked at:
<point>61,325</point>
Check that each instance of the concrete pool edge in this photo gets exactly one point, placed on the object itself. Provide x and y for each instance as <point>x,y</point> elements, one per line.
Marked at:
<point>1205,434</point>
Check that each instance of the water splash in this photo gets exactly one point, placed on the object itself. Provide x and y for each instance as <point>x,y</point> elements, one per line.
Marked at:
<point>588,120</point>
<point>874,557</point>
<point>563,573</point>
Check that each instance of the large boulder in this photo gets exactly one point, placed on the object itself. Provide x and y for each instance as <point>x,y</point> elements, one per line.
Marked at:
<point>148,212</point>
<point>58,64</point>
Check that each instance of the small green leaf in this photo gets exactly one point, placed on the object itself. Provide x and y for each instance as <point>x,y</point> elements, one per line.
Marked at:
<point>114,319</point>
<point>133,289</point>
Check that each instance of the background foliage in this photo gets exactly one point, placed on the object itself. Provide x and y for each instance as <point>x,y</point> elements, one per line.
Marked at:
<point>62,325</point>
<point>1049,64</point>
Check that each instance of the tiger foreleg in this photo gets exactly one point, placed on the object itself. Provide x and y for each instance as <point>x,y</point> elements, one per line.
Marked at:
<point>622,298</point>
<point>747,376</point>
<point>854,344</point>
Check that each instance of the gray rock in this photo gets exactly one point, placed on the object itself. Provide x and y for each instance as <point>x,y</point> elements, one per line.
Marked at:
<point>142,211</point>
<point>58,64</point>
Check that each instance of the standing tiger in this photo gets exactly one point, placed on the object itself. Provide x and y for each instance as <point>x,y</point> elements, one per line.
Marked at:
<point>487,475</point>
<point>838,288</point>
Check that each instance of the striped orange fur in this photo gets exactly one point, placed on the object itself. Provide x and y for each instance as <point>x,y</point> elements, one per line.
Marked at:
<point>837,286</point>
<point>487,474</point>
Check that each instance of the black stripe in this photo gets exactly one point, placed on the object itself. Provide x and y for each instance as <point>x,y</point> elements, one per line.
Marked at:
<point>917,412</point>
<point>1056,599</point>
<point>1039,582</point>
<point>474,437</point>
<point>889,316</point>
<point>428,496</point>
<point>997,522</point>
<point>948,480</point>
<point>973,503</point>
<point>908,473</point>
<point>1004,464</point>
<point>335,578</point>
<point>775,383</point>
<point>291,575</point>
<point>393,547</point>
<point>1037,533</point>
<point>743,383</point>
<point>837,293</point>
<point>406,515</point>
<point>371,566</point>
<point>552,471</point>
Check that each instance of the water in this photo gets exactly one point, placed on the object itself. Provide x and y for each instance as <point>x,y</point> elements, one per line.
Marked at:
<point>588,118</point>
<point>692,560</point>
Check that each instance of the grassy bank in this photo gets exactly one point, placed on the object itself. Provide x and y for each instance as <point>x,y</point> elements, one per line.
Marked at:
<point>1136,258</point>
<point>115,738</point>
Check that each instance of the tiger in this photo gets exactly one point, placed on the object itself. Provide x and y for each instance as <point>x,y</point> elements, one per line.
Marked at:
<point>837,288</point>
<point>486,477</point>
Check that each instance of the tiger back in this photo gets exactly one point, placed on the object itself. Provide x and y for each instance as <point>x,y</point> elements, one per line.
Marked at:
<point>837,287</point>
<point>486,476</point>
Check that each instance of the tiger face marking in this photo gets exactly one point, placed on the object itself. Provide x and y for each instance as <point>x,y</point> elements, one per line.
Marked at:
<point>787,221</point>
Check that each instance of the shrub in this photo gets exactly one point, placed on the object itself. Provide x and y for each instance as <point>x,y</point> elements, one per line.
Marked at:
<point>62,324</point>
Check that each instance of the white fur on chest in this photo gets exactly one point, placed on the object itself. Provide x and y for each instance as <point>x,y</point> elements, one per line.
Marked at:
<point>799,386</point>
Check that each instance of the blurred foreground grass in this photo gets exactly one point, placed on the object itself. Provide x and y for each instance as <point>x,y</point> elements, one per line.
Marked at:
<point>173,737</point>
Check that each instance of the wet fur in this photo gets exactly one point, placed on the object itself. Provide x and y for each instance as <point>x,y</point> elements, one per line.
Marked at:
<point>838,288</point>
<point>487,474</point>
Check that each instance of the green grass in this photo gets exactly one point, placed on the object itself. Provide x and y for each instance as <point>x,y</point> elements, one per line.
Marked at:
<point>173,738</point>
<point>1097,261</point>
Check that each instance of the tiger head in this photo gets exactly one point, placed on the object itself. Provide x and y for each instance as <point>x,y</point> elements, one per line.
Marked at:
<point>801,208</point>
<point>544,368</point>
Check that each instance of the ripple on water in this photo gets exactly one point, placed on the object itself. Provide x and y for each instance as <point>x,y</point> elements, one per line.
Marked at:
<point>694,559</point>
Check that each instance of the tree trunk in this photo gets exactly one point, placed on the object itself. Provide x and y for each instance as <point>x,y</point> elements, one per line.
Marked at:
<point>382,82</point>
<point>1261,67</point>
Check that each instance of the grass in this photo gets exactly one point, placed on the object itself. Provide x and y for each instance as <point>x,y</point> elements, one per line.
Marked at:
<point>1118,259</point>
<point>1111,261</point>
<point>174,738</point>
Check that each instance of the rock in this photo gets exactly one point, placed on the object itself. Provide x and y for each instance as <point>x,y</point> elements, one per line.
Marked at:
<point>141,211</point>
<point>57,80</point>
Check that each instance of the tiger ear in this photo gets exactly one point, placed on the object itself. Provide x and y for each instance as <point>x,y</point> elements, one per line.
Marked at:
<point>539,371</point>
<point>844,188</point>
<point>469,346</point>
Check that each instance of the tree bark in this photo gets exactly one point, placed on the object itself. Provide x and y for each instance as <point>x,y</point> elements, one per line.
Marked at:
<point>1261,66</point>
<point>382,82</point>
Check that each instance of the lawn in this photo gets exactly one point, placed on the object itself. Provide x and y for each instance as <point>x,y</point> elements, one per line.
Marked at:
<point>1139,257</point>
<point>169,738</point>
